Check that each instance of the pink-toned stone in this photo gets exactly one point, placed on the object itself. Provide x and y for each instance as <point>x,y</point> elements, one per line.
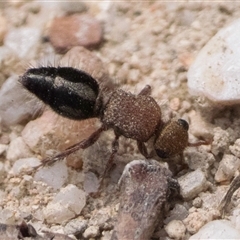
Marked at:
<point>81,58</point>
<point>175,104</point>
<point>51,131</point>
<point>75,30</point>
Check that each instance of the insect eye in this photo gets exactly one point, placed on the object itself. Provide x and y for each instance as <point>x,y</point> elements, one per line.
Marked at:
<point>162,153</point>
<point>183,123</point>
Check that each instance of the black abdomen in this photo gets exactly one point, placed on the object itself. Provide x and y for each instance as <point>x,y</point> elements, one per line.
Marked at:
<point>70,92</point>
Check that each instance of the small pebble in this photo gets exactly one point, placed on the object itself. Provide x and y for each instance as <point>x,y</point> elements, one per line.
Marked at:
<point>15,104</point>
<point>10,64</point>
<point>101,218</point>
<point>65,205</point>
<point>175,104</point>
<point>37,130</point>
<point>18,149</point>
<point>235,149</point>
<point>197,218</point>
<point>192,184</point>
<point>56,213</point>
<point>75,30</point>
<point>215,71</point>
<point>200,128</point>
<point>218,229</point>
<point>54,175</point>
<point>235,218</point>
<point>227,167</point>
<point>91,232</point>
<point>199,159</point>
<point>175,229</point>
<point>23,41</point>
<point>75,226</point>
<point>72,197</point>
<point>3,148</point>
<point>179,212</point>
<point>91,182</point>
<point>7,216</point>
<point>106,235</point>
<point>197,202</point>
<point>24,163</point>
<point>220,141</point>
<point>51,131</point>
<point>73,7</point>
<point>9,232</point>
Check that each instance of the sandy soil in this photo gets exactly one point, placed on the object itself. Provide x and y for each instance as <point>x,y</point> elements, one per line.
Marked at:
<point>144,43</point>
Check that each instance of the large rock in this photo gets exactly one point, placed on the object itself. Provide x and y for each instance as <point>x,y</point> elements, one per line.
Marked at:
<point>215,73</point>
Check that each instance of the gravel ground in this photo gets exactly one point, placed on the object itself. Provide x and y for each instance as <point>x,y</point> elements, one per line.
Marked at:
<point>141,43</point>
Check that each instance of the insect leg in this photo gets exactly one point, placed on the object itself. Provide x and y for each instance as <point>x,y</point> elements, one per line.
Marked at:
<point>115,147</point>
<point>199,143</point>
<point>81,145</point>
<point>142,149</point>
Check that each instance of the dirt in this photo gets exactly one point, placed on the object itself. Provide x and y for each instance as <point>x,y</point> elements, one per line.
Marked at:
<point>143,43</point>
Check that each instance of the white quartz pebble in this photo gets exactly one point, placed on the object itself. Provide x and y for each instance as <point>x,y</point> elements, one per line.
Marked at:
<point>175,229</point>
<point>65,205</point>
<point>18,149</point>
<point>24,164</point>
<point>23,41</point>
<point>218,229</point>
<point>91,232</point>
<point>227,167</point>
<point>16,105</point>
<point>215,72</point>
<point>192,184</point>
<point>54,175</point>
